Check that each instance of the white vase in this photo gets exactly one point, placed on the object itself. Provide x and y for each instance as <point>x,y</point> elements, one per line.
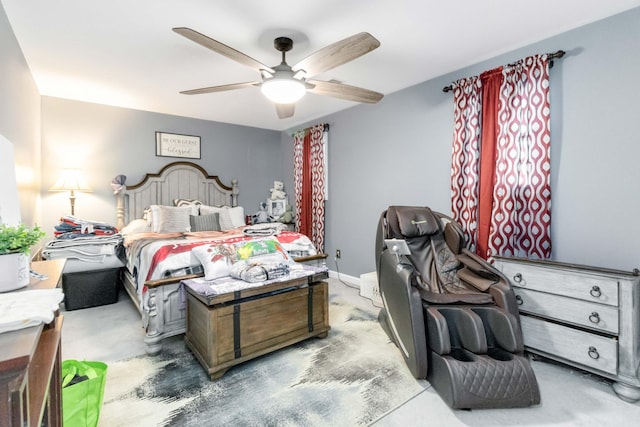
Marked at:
<point>14,271</point>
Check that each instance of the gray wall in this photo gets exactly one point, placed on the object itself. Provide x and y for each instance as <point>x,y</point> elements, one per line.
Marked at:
<point>399,151</point>
<point>107,141</point>
<point>395,152</point>
<point>20,120</point>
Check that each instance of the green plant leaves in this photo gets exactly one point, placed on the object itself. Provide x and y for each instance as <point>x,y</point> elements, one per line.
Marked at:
<point>18,238</point>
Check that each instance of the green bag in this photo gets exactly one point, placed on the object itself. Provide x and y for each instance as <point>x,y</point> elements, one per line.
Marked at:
<point>82,392</point>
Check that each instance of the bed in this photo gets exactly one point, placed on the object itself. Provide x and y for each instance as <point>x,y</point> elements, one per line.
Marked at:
<point>157,260</point>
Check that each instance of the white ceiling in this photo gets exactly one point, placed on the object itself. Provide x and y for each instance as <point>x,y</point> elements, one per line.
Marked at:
<point>123,52</point>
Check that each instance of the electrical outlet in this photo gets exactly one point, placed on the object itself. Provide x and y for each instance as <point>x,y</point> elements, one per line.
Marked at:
<point>338,254</point>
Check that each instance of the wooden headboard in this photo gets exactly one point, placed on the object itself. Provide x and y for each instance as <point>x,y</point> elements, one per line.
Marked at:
<point>183,180</point>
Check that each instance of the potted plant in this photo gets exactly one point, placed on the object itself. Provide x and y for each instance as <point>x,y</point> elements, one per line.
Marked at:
<point>15,245</point>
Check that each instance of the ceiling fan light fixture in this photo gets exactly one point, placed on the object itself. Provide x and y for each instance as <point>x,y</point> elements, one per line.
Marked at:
<point>283,90</point>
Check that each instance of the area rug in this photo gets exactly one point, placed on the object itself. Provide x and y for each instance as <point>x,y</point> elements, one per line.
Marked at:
<point>350,378</point>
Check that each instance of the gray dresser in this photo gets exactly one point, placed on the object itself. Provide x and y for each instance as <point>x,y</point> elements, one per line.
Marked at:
<point>582,316</point>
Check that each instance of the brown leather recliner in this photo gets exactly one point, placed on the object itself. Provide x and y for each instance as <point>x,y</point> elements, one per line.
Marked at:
<point>453,317</point>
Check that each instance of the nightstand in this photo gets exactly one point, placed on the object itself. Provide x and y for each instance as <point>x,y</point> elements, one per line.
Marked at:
<point>89,282</point>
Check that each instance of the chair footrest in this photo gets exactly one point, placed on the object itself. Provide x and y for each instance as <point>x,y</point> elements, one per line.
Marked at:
<point>469,381</point>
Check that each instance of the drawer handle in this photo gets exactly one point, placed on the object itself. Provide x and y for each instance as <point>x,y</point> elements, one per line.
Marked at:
<point>517,278</point>
<point>593,353</point>
<point>519,300</point>
<point>594,317</point>
<point>595,291</point>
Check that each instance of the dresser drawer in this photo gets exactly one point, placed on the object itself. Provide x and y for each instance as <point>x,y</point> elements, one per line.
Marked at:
<point>583,313</point>
<point>581,347</point>
<point>587,287</point>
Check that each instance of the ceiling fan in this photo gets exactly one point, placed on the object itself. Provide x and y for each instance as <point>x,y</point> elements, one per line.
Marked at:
<point>285,84</point>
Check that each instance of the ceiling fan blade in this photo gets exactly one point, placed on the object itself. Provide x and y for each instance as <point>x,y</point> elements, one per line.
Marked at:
<point>337,54</point>
<point>342,91</point>
<point>220,88</point>
<point>221,48</point>
<point>285,110</point>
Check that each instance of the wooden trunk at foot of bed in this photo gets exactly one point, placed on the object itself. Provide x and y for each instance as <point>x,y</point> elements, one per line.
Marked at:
<point>163,316</point>
<point>222,335</point>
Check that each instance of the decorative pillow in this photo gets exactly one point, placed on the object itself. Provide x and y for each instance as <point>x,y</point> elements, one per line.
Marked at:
<point>229,217</point>
<point>169,219</point>
<point>205,209</point>
<point>186,202</point>
<point>257,249</point>
<point>217,259</point>
<point>259,260</point>
<point>208,222</point>
<point>136,226</point>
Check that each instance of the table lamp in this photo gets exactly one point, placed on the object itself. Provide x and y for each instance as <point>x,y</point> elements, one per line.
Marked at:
<point>71,180</point>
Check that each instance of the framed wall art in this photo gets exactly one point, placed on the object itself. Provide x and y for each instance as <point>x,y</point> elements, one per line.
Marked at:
<point>175,145</point>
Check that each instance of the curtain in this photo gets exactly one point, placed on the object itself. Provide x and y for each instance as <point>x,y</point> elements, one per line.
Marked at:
<point>521,214</point>
<point>310,182</point>
<point>491,82</point>
<point>500,181</point>
<point>465,156</point>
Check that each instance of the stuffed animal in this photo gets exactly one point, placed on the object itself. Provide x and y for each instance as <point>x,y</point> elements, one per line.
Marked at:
<point>277,192</point>
<point>287,216</point>
<point>262,215</point>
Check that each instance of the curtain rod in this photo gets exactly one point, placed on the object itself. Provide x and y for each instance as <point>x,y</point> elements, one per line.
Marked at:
<point>325,129</point>
<point>555,55</point>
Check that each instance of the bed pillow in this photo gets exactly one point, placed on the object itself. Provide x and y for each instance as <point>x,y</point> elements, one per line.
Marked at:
<point>223,217</point>
<point>170,219</point>
<point>229,217</point>
<point>256,250</point>
<point>237,216</point>
<point>136,226</point>
<point>208,222</point>
<point>216,259</point>
<point>186,202</point>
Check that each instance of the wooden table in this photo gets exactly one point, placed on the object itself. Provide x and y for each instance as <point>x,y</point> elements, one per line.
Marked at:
<point>30,359</point>
<point>228,329</point>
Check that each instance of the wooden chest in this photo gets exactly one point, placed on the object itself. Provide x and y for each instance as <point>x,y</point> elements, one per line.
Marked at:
<point>228,329</point>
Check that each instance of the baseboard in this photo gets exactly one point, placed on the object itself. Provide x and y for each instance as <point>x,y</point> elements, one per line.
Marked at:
<point>352,280</point>
<point>367,285</point>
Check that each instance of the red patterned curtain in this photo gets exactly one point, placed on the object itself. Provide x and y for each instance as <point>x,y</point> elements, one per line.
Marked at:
<point>491,82</point>
<point>521,214</point>
<point>310,182</point>
<point>502,194</point>
<point>466,156</point>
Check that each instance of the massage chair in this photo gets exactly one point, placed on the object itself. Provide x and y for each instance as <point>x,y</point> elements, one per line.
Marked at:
<point>452,315</point>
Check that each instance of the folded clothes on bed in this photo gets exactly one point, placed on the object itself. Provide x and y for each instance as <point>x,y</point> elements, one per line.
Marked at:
<point>259,272</point>
<point>264,229</point>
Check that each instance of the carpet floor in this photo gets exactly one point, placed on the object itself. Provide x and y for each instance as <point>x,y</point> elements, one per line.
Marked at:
<point>350,378</point>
